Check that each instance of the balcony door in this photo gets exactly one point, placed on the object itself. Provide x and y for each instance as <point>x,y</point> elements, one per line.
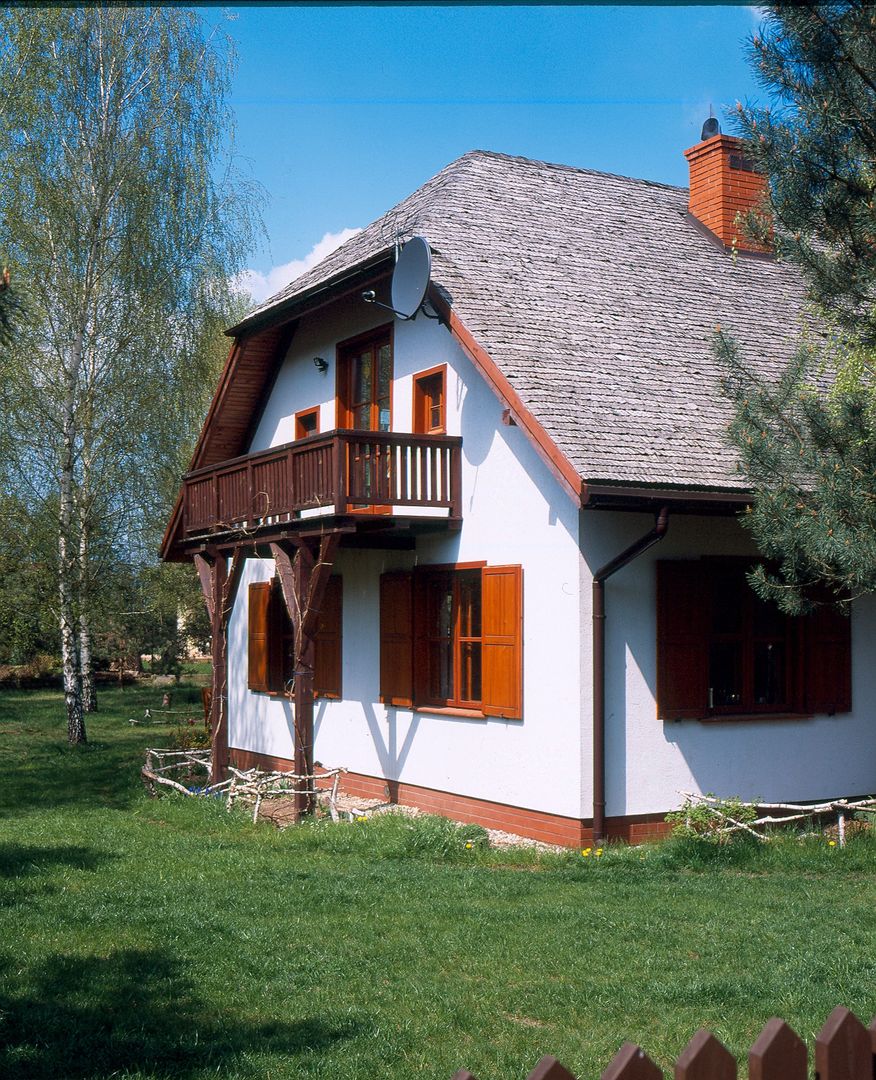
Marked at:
<point>365,404</point>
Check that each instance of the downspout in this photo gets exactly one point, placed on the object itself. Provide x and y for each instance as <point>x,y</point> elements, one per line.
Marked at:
<point>599,578</point>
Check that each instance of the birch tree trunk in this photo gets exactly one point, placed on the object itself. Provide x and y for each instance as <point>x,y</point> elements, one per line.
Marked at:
<point>86,664</point>
<point>68,578</point>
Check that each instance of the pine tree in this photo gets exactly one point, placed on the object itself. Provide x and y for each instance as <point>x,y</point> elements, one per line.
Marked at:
<point>816,142</point>
<point>807,444</point>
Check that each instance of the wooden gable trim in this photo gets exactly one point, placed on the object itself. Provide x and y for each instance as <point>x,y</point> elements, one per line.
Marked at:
<point>544,445</point>
<point>370,275</point>
<point>245,385</point>
<point>236,407</point>
<point>280,350</point>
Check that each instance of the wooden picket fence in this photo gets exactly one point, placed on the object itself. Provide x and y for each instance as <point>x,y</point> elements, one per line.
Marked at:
<point>844,1050</point>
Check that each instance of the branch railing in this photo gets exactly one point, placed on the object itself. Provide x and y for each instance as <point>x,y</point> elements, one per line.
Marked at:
<point>339,472</point>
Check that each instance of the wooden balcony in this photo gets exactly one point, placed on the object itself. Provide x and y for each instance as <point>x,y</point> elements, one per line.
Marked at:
<point>368,473</point>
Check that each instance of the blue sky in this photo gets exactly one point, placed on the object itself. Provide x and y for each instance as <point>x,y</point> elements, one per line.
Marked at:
<point>343,110</point>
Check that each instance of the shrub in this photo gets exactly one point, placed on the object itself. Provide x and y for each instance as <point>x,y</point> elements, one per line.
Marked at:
<point>441,837</point>
<point>704,821</point>
<point>189,735</point>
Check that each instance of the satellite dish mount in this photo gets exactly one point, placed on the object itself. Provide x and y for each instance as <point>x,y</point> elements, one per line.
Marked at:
<point>410,281</point>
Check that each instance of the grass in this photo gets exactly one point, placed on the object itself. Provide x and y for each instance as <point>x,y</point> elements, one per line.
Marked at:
<point>157,938</point>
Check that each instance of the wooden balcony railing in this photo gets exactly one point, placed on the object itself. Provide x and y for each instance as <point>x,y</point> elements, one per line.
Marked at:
<point>337,472</point>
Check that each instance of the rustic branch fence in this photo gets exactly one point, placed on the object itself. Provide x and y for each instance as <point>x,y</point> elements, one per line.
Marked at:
<point>844,1050</point>
<point>778,814</point>
<point>192,771</point>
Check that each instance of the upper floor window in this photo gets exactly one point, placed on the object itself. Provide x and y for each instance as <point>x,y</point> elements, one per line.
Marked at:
<point>430,402</point>
<point>365,382</point>
<point>307,423</point>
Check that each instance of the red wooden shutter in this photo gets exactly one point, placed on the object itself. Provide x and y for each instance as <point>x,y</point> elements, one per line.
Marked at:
<point>259,633</point>
<point>827,661</point>
<point>682,648</point>
<point>396,639</point>
<point>502,635</point>
<point>327,662</point>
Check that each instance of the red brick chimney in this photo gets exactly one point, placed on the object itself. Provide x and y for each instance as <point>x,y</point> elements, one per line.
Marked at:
<point>723,183</point>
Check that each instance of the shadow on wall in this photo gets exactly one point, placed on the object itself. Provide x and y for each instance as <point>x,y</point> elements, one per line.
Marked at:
<point>391,755</point>
<point>133,1011</point>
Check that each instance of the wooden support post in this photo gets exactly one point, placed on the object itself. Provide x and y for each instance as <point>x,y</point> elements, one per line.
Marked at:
<point>205,574</point>
<point>219,585</point>
<point>303,567</point>
<point>218,710</point>
<point>303,579</point>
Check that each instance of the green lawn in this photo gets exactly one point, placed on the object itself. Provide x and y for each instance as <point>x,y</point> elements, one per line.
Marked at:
<point>147,938</point>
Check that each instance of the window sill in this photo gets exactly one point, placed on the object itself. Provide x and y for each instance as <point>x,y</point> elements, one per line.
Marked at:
<point>754,718</point>
<point>291,697</point>
<point>450,710</point>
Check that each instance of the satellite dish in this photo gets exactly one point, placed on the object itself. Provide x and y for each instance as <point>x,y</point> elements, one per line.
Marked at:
<point>410,279</point>
<point>710,128</point>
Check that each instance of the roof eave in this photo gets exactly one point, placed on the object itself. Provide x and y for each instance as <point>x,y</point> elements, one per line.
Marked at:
<point>320,293</point>
<point>686,498</point>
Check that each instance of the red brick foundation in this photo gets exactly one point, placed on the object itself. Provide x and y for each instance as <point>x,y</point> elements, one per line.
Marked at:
<point>549,828</point>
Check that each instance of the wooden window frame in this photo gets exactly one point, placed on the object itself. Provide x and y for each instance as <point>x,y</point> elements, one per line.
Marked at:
<point>434,578</point>
<point>405,637</point>
<point>301,417</point>
<point>271,637</point>
<point>687,594</point>
<point>344,353</point>
<point>420,407</point>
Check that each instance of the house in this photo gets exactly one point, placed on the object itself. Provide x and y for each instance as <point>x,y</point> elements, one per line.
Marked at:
<point>489,559</point>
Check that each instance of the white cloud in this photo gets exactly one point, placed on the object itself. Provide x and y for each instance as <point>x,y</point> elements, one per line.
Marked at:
<point>261,286</point>
<point>758,14</point>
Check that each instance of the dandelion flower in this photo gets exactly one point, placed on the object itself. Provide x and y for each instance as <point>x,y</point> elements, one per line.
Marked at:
<point>831,843</point>
<point>598,851</point>
<point>468,846</point>
<point>586,852</point>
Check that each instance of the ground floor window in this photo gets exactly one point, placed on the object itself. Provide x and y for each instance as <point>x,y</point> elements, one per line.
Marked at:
<point>452,637</point>
<point>722,651</point>
<point>451,631</point>
<point>271,640</point>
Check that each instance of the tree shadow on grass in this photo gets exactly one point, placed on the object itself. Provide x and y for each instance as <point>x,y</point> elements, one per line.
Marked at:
<point>26,869</point>
<point>19,860</point>
<point>133,1012</point>
<point>55,775</point>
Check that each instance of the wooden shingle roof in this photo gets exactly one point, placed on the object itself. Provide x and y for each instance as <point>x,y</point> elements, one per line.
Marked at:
<point>597,297</point>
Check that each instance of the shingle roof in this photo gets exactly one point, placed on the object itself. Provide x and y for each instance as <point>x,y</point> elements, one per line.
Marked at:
<point>597,297</point>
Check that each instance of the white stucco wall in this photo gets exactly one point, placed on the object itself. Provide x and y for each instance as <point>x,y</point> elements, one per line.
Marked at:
<point>648,761</point>
<point>514,512</point>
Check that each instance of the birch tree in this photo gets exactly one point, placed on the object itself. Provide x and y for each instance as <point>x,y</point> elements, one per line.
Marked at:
<point>123,219</point>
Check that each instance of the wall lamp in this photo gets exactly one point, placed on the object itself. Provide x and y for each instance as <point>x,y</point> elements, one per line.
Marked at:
<point>320,364</point>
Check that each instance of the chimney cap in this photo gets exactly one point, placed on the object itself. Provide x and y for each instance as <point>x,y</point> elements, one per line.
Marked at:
<point>710,128</point>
